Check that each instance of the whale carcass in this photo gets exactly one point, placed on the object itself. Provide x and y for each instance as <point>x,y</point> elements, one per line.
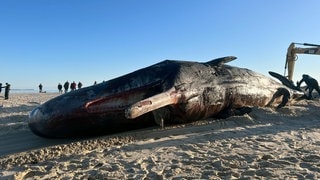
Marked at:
<point>170,91</point>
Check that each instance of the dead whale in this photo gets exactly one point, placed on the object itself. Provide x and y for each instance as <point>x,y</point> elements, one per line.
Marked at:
<point>170,91</point>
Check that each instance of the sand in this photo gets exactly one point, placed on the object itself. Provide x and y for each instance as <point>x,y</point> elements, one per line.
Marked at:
<point>265,143</point>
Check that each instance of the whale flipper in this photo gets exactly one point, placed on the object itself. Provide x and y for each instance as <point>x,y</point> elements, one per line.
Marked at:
<point>284,81</point>
<point>152,103</point>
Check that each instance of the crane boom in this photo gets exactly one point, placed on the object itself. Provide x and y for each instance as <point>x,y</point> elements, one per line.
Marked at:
<point>292,55</point>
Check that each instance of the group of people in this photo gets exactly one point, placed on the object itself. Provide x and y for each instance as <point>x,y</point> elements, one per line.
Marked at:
<point>6,90</point>
<point>73,86</point>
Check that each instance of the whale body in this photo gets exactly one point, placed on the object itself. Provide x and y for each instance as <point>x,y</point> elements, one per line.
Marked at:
<point>170,91</point>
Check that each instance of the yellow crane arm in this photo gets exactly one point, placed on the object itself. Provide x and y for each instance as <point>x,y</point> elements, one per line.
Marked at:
<point>292,55</point>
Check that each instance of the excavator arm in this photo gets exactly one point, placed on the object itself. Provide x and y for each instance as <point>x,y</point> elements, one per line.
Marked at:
<point>292,55</point>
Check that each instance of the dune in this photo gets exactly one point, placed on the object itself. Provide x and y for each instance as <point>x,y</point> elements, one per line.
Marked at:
<point>266,143</point>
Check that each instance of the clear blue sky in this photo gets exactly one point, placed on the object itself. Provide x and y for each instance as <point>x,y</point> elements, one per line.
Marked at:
<point>52,41</point>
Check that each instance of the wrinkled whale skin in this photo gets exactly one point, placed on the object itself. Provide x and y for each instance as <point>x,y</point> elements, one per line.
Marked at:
<point>172,91</point>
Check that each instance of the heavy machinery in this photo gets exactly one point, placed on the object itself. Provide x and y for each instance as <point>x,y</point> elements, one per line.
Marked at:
<point>292,55</point>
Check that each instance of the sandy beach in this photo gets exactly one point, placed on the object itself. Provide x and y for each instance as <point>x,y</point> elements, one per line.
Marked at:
<point>264,144</point>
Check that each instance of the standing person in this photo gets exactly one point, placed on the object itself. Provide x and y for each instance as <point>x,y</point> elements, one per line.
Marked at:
<point>79,85</point>
<point>0,87</point>
<point>66,86</point>
<point>73,86</point>
<point>40,88</point>
<point>6,91</point>
<point>60,88</point>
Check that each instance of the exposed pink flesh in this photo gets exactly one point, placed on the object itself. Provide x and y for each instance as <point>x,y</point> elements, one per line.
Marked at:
<point>113,103</point>
<point>118,101</point>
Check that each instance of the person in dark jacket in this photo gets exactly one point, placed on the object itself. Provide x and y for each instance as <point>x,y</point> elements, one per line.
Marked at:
<point>311,84</point>
<point>40,88</point>
<point>60,88</point>
<point>79,85</point>
<point>6,91</point>
<point>73,86</point>
<point>66,86</point>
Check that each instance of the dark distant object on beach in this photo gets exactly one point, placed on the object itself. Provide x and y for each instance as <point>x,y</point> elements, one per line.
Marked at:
<point>41,89</point>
